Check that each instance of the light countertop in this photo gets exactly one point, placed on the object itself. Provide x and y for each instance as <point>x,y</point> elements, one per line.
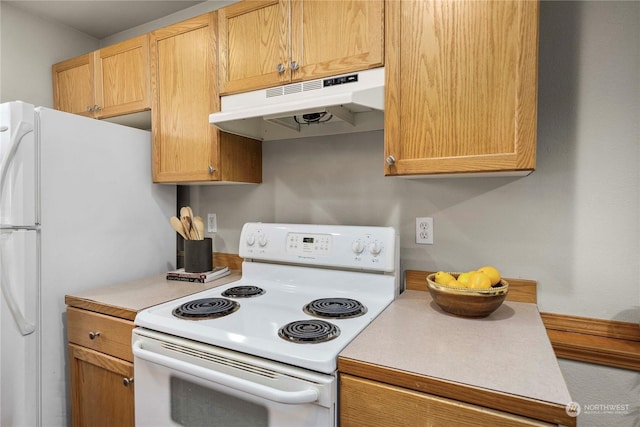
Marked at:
<point>124,300</point>
<point>506,352</point>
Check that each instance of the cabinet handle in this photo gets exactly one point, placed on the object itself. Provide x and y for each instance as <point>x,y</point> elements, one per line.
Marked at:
<point>294,65</point>
<point>211,169</point>
<point>127,381</point>
<point>391,160</point>
<point>93,335</point>
<point>280,68</point>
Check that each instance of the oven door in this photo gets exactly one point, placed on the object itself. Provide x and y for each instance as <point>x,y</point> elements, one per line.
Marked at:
<point>183,383</point>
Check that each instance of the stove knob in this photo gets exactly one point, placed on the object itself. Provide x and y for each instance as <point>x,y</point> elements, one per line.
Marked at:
<point>357,247</point>
<point>262,240</point>
<point>251,239</point>
<point>375,248</point>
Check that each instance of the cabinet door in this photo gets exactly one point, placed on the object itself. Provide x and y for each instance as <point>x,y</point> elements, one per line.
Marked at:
<point>329,38</point>
<point>183,87</point>
<point>73,85</point>
<point>461,89</point>
<point>101,388</point>
<point>186,148</point>
<point>254,45</point>
<point>122,78</point>
<point>369,403</point>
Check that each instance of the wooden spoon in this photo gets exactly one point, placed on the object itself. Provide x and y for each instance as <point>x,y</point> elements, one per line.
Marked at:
<point>198,224</point>
<point>177,225</point>
<point>184,212</point>
<point>186,223</point>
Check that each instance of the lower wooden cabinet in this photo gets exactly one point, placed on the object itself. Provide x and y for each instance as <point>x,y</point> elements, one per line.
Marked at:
<point>100,369</point>
<point>373,404</point>
<point>102,391</point>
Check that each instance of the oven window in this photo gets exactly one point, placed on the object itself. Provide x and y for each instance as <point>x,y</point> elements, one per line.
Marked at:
<point>193,405</point>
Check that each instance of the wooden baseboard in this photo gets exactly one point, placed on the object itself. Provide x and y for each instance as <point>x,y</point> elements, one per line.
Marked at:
<point>233,261</point>
<point>599,341</point>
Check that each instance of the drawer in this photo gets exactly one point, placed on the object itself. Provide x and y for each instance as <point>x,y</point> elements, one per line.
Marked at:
<point>106,334</point>
<point>365,402</point>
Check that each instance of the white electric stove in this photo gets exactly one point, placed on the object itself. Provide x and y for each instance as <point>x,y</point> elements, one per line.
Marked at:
<point>306,291</point>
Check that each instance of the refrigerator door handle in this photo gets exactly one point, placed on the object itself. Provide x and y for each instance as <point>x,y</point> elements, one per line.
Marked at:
<point>22,129</point>
<point>23,324</point>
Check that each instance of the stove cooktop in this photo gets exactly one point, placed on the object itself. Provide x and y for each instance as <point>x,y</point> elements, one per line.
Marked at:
<point>254,327</point>
<point>324,283</point>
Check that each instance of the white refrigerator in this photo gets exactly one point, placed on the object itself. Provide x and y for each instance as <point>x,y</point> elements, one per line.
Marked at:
<point>78,210</point>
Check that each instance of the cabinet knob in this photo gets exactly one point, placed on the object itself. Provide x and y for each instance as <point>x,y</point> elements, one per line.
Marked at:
<point>280,68</point>
<point>211,169</point>
<point>391,160</point>
<point>127,381</point>
<point>97,108</point>
<point>89,108</point>
<point>93,335</point>
<point>294,65</point>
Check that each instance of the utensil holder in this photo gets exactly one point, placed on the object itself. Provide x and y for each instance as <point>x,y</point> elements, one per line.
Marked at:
<point>198,255</point>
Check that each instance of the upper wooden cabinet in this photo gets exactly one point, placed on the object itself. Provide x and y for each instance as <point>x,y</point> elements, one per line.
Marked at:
<point>269,43</point>
<point>73,85</point>
<point>461,87</point>
<point>109,82</point>
<point>186,148</point>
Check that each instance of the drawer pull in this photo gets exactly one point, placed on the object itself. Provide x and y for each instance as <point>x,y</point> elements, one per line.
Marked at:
<point>127,381</point>
<point>93,335</point>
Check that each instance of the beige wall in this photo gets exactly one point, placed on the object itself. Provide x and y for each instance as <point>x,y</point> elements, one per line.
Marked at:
<point>29,46</point>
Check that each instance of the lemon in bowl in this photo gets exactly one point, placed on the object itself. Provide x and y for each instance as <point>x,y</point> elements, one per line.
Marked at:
<point>478,298</point>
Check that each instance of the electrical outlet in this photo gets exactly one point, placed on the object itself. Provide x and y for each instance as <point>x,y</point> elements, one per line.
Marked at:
<point>212,223</point>
<point>424,230</point>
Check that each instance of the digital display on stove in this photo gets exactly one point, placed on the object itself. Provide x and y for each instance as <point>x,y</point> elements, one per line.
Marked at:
<point>308,244</point>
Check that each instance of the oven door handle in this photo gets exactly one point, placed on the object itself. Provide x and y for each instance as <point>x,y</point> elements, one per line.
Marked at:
<point>308,395</point>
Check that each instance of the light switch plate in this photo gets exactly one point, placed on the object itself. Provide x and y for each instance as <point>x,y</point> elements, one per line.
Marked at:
<point>212,223</point>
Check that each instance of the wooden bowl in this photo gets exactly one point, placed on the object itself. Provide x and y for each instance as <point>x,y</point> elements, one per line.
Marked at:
<point>467,302</point>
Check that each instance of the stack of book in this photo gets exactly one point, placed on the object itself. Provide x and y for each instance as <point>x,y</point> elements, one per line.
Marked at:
<point>204,277</point>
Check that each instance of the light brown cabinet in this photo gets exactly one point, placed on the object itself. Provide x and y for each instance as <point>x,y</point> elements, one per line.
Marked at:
<point>272,42</point>
<point>108,82</point>
<point>100,369</point>
<point>186,148</point>
<point>461,87</point>
<point>371,403</point>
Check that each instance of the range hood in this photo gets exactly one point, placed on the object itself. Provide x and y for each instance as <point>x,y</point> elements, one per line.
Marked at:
<point>341,104</point>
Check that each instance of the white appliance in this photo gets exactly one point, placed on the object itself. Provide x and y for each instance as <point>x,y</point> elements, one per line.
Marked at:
<point>345,103</point>
<point>262,351</point>
<point>77,211</point>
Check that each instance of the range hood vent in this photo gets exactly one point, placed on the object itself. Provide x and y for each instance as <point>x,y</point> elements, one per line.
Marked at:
<point>342,104</point>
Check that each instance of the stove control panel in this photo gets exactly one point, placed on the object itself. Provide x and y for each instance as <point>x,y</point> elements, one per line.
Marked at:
<point>308,244</point>
<point>341,246</point>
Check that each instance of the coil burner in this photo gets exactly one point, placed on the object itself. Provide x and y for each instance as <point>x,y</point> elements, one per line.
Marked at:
<point>206,308</point>
<point>336,308</point>
<point>245,291</point>
<point>309,331</point>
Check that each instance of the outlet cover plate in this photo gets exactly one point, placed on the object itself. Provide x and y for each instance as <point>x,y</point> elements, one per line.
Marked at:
<point>424,230</point>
